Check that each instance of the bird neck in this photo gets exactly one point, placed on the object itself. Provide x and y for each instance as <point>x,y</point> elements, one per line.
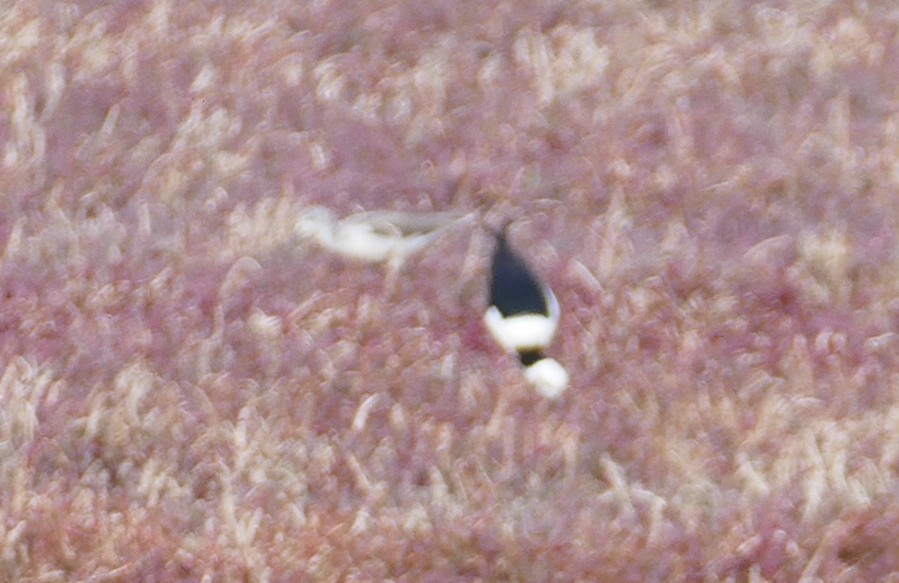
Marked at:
<point>529,357</point>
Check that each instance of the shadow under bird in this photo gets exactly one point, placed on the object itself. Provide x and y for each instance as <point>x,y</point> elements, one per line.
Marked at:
<point>523,317</point>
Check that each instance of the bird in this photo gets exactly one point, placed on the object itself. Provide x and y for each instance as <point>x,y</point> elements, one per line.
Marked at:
<point>374,236</point>
<point>523,316</point>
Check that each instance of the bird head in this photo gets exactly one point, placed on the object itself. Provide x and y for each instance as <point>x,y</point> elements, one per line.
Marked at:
<point>548,377</point>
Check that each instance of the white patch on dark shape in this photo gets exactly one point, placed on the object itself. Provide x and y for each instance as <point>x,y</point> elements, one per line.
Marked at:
<point>524,332</point>
<point>523,317</point>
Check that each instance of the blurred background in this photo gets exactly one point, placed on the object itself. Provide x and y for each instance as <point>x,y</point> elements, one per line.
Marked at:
<point>190,391</point>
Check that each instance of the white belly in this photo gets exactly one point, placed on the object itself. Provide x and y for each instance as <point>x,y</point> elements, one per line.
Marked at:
<point>523,332</point>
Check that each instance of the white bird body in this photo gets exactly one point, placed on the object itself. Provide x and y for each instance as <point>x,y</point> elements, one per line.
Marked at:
<point>520,333</point>
<point>361,241</point>
<point>373,236</point>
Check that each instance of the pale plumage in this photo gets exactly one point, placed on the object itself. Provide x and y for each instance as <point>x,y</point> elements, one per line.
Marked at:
<point>374,236</point>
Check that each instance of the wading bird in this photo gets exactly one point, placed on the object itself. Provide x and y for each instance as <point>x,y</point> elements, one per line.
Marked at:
<point>375,236</point>
<point>523,317</point>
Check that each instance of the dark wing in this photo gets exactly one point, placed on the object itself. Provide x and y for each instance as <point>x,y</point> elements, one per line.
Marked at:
<point>514,289</point>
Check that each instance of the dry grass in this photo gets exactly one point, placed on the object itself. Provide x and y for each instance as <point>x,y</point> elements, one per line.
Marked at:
<point>188,393</point>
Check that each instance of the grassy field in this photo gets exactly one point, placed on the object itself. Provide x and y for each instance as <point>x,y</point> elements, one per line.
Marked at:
<point>190,392</point>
